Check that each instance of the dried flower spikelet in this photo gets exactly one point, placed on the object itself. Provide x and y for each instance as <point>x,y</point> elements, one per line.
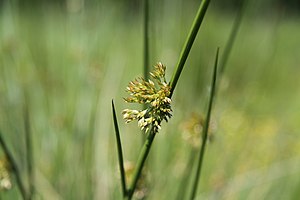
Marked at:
<point>143,182</point>
<point>5,180</point>
<point>192,129</point>
<point>153,93</point>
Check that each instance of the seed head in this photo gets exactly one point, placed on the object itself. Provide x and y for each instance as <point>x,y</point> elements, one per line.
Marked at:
<point>153,93</point>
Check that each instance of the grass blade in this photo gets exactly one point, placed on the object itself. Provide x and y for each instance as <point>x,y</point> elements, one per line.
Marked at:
<point>14,167</point>
<point>205,130</point>
<point>232,36</point>
<point>146,39</point>
<point>120,152</point>
<point>189,43</point>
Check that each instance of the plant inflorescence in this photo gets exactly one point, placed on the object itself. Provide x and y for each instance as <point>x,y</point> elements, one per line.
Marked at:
<point>153,93</point>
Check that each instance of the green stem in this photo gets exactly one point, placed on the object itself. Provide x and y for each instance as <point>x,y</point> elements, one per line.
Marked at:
<point>146,39</point>
<point>120,152</point>
<point>205,130</point>
<point>14,167</point>
<point>232,36</point>
<point>189,43</point>
<point>140,163</point>
<point>184,54</point>
<point>146,49</point>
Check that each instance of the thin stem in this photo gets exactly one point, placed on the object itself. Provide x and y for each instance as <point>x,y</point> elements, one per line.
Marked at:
<point>205,130</point>
<point>29,152</point>
<point>14,167</point>
<point>184,54</point>
<point>189,43</point>
<point>232,36</point>
<point>140,163</point>
<point>120,152</point>
<point>146,39</point>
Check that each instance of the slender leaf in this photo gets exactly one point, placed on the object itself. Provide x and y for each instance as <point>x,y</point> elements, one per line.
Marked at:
<point>120,152</point>
<point>232,36</point>
<point>205,130</point>
<point>189,43</point>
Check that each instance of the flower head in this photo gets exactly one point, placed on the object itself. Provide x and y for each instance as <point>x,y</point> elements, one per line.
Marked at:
<point>155,94</point>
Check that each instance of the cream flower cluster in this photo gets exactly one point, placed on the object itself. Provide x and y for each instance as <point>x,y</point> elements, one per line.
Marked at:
<point>155,94</point>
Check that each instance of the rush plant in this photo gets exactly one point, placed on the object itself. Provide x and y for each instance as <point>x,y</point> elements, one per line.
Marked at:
<point>155,95</point>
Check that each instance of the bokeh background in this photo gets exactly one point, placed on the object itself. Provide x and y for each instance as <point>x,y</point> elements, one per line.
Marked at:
<point>63,61</point>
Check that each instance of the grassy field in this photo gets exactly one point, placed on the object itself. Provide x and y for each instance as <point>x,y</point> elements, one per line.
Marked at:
<point>65,68</point>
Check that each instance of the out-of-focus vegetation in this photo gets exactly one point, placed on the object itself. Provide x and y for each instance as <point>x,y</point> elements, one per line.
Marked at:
<point>65,61</point>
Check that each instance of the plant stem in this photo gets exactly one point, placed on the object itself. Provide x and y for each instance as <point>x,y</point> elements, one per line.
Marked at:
<point>120,152</point>
<point>146,39</point>
<point>14,167</point>
<point>232,36</point>
<point>189,43</point>
<point>140,163</point>
<point>184,54</point>
<point>205,130</point>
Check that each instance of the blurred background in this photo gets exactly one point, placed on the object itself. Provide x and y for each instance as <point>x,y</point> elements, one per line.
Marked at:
<point>63,61</point>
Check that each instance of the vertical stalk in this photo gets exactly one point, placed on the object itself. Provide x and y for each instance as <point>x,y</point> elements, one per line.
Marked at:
<point>120,152</point>
<point>14,167</point>
<point>146,39</point>
<point>205,130</point>
<point>189,43</point>
<point>232,36</point>
<point>184,54</point>
<point>140,163</point>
